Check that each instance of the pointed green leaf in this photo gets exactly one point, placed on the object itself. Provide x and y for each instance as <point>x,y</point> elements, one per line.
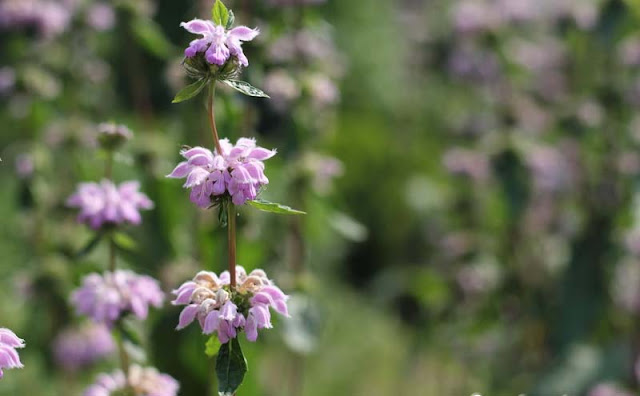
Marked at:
<point>273,207</point>
<point>190,90</point>
<point>212,346</point>
<point>245,88</point>
<point>232,19</point>
<point>130,331</point>
<point>220,13</point>
<point>223,216</point>
<point>124,241</point>
<point>230,367</point>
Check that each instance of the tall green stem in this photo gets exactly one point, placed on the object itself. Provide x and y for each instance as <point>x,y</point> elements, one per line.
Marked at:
<point>212,117</point>
<point>112,254</point>
<point>108,166</point>
<point>232,242</point>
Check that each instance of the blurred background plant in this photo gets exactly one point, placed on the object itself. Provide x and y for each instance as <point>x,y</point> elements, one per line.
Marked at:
<point>470,170</point>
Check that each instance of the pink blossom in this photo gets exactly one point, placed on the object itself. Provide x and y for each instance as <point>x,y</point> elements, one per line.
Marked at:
<point>107,204</point>
<point>8,356</point>
<point>217,43</point>
<point>81,346</point>
<point>105,298</point>
<point>209,299</point>
<point>238,171</point>
<point>145,381</point>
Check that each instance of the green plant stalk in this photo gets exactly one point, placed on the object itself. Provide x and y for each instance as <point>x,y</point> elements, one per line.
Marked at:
<point>124,357</point>
<point>231,225</point>
<point>212,116</point>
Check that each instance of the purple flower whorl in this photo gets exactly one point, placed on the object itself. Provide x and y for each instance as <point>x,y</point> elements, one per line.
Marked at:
<point>145,381</point>
<point>218,44</point>
<point>107,204</point>
<point>81,346</point>
<point>105,298</point>
<point>209,299</point>
<point>238,171</point>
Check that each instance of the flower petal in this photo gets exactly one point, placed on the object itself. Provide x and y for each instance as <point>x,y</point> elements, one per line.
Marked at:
<point>243,33</point>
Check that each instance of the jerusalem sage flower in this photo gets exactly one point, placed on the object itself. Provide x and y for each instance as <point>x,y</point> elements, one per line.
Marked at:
<point>81,346</point>
<point>217,43</point>
<point>8,356</point>
<point>238,171</point>
<point>144,381</point>
<point>107,204</point>
<point>221,310</point>
<point>105,298</point>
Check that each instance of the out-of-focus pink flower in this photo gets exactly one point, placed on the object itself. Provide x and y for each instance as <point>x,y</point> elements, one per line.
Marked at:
<point>77,347</point>
<point>466,162</point>
<point>551,167</point>
<point>238,171</point>
<point>220,310</point>
<point>323,90</point>
<point>49,17</point>
<point>7,80</point>
<point>24,166</point>
<point>101,16</point>
<point>8,355</point>
<point>145,381</point>
<point>322,169</point>
<point>626,285</point>
<point>608,390</point>
<point>282,88</point>
<point>105,298</point>
<point>107,204</point>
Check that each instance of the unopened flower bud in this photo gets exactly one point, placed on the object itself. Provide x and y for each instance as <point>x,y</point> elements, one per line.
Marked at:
<point>111,135</point>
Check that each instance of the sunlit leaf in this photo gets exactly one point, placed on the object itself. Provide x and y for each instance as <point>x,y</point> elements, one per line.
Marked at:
<point>273,207</point>
<point>220,13</point>
<point>190,91</point>
<point>231,367</point>
<point>124,241</point>
<point>245,88</point>
<point>212,346</point>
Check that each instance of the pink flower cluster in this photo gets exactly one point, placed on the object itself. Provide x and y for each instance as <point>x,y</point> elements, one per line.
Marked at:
<point>220,310</point>
<point>238,170</point>
<point>105,298</point>
<point>8,356</point>
<point>145,381</point>
<point>217,43</point>
<point>81,346</point>
<point>105,203</point>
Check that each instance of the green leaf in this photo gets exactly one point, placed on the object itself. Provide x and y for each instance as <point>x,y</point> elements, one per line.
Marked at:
<point>190,90</point>
<point>124,241</point>
<point>93,242</point>
<point>230,367</point>
<point>130,331</point>
<point>245,88</point>
<point>273,207</point>
<point>220,13</point>
<point>149,35</point>
<point>232,19</point>
<point>212,346</point>
<point>223,216</point>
